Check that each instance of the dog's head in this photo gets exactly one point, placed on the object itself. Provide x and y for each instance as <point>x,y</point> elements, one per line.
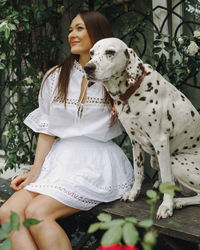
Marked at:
<point>110,58</point>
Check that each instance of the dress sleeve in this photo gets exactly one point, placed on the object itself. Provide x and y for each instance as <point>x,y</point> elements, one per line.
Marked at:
<point>38,120</point>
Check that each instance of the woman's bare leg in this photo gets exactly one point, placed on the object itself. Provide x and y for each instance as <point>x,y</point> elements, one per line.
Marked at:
<point>18,203</point>
<point>48,234</point>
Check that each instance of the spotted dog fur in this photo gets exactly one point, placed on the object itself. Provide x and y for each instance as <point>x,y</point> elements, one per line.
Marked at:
<point>158,118</point>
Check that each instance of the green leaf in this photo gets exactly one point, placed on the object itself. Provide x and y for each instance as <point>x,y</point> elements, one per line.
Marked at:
<point>14,221</point>
<point>30,222</point>
<point>112,236</point>
<point>156,49</point>
<point>157,42</point>
<point>151,194</point>
<point>2,66</point>
<point>112,223</point>
<point>146,223</point>
<point>104,217</point>
<point>6,245</point>
<point>150,238</point>
<point>3,234</point>
<point>6,227</point>
<point>168,188</point>
<point>94,227</point>
<point>131,219</point>
<point>7,33</point>
<point>130,234</point>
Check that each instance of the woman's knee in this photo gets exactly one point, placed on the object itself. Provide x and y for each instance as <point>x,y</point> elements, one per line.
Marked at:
<point>35,211</point>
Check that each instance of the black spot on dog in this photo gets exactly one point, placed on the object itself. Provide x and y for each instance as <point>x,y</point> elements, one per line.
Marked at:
<point>158,152</point>
<point>147,134</point>
<point>183,97</point>
<point>126,83</point>
<point>158,82</point>
<point>150,124</point>
<point>191,182</point>
<point>149,84</point>
<point>185,131</point>
<point>137,94</point>
<point>148,73</point>
<point>196,168</point>
<point>127,54</point>
<point>171,137</point>
<point>137,113</point>
<point>169,117</point>
<point>192,162</point>
<point>194,145</point>
<point>132,132</point>
<point>182,163</point>
<point>162,146</point>
<point>191,138</point>
<point>172,163</point>
<point>156,91</point>
<point>173,124</point>
<point>154,111</point>
<point>143,98</point>
<point>186,147</point>
<point>192,113</point>
<point>176,151</point>
<point>173,105</point>
<point>151,101</point>
<point>156,102</point>
<point>198,138</point>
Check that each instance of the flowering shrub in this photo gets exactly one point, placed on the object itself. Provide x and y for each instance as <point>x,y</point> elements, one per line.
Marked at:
<point>124,233</point>
<point>179,60</point>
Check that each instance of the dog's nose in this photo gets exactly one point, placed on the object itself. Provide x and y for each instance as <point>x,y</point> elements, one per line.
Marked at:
<point>90,68</point>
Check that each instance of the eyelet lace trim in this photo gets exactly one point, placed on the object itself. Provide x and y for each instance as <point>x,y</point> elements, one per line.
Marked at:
<point>67,192</point>
<point>74,101</point>
<point>78,67</point>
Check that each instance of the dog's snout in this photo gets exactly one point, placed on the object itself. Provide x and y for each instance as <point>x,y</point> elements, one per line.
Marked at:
<point>90,68</point>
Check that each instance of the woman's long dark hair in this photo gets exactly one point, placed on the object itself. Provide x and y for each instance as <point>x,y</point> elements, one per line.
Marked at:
<point>98,28</point>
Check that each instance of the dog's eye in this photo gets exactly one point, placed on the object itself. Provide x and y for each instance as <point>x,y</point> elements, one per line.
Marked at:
<point>110,52</point>
<point>91,53</point>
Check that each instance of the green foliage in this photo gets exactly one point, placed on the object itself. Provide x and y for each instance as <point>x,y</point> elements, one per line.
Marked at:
<point>29,41</point>
<point>126,231</point>
<point>13,225</point>
<point>179,60</point>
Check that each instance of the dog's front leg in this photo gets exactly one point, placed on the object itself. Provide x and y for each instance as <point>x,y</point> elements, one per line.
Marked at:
<point>138,159</point>
<point>163,154</point>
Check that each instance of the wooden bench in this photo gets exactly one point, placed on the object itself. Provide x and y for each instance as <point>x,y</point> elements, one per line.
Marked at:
<point>188,218</point>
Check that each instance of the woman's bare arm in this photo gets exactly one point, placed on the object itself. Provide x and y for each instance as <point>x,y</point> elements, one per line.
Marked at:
<point>44,145</point>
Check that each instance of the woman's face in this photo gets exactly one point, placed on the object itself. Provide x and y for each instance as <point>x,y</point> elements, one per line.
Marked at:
<point>78,37</point>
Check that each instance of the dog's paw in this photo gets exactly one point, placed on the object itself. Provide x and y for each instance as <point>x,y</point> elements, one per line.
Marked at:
<point>178,204</point>
<point>130,195</point>
<point>164,211</point>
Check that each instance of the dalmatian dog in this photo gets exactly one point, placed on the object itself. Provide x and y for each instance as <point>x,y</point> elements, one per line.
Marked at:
<point>157,117</point>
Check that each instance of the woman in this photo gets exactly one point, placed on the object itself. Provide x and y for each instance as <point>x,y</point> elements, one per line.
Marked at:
<point>76,166</point>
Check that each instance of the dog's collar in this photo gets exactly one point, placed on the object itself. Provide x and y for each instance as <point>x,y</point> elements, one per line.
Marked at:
<point>132,89</point>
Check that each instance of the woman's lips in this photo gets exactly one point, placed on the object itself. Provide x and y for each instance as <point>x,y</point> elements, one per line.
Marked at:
<point>74,43</point>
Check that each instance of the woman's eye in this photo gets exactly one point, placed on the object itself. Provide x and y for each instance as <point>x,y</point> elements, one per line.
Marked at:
<point>69,31</point>
<point>80,28</point>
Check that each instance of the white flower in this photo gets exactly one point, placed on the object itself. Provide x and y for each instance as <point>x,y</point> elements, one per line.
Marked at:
<point>4,23</point>
<point>180,40</point>
<point>2,56</point>
<point>28,80</point>
<point>40,75</point>
<point>197,34</point>
<point>193,48</point>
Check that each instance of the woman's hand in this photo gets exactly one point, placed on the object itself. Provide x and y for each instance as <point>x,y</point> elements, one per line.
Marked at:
<point>24,179</point>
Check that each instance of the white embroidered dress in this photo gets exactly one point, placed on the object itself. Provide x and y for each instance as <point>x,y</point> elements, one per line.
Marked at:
<point>84,167</point>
